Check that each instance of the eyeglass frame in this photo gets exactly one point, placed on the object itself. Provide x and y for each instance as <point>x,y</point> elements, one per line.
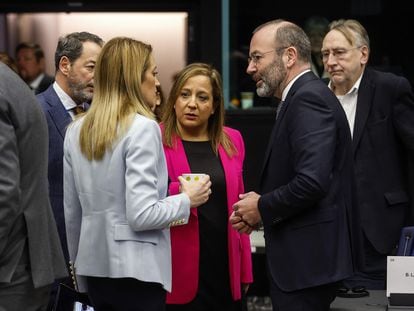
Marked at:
<point>256,57</point>
<point>338,53</point>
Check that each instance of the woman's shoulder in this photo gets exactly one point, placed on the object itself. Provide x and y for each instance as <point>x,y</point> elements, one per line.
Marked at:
<point>143,122</point>
<point>232,133</point>
<point>142,126</point>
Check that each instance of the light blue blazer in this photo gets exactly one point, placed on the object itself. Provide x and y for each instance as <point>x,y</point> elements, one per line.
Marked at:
<point>116,211</point>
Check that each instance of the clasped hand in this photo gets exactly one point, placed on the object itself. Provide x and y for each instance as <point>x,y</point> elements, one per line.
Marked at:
<point>246,217</point>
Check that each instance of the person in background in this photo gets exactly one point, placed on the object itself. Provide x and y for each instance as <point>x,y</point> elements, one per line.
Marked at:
<point>316,27</point>
<point>31,257</point>
<point>115,184</point>
<point>380,111</point>
<point>30,60</point>
<point>75,60</point>
<point>9,61</point>
<point>211,262</point>
<point>306,182</point>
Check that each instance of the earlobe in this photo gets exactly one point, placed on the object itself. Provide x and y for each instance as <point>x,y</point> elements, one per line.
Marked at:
<point>365,53</point>
<point>64,65</point>
<point>291,56</point>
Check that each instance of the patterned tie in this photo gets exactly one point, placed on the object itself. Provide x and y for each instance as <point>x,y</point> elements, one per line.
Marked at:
<point>279,107</point>
<point>78,109</point>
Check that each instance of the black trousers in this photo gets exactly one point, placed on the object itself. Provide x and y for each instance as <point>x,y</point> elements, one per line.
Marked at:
<point>317,298</point>
<point>373,269</point>
<point>125,294</point>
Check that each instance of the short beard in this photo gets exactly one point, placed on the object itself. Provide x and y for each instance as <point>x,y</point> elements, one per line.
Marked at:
<point>264,90</point>
<point>272,78</point>
<point>79,95</point>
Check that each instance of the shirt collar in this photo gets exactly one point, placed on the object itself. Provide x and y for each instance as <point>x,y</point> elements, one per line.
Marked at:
<point>35,83</point>
<point>287,88</point>
<point>66,100</point>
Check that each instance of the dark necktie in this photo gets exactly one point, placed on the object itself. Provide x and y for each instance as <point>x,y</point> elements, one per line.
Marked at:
<point>279,107</point>
<point>78,109</point>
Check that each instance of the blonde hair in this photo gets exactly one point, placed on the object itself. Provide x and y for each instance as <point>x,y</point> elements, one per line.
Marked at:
<point>9,61</point>
<point>216,121</point>
<point>119,73</point>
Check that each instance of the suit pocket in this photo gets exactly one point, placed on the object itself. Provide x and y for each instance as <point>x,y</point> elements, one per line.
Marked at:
<point>396,197</point>
<point>124,233</point>
<point>378,122</point>
<point>311,219</point>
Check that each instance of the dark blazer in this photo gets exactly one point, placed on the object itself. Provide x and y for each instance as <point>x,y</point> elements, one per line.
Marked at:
<point>306,188</point>
<point>383,142</point>
<point>44,84</point>
<point>57,121</point>
<point>25,211</point>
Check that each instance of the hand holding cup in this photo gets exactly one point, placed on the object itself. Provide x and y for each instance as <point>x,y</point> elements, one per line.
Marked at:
<point>197,187</point>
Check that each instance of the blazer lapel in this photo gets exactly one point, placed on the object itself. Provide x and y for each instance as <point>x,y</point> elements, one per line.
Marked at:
<point>296,85</point>
<point>273,135</point>
<point>57,112</point>
<point>364,103</point>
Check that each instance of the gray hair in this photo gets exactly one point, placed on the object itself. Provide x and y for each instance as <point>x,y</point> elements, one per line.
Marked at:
<point>71,45</point>
<point>290,34</point>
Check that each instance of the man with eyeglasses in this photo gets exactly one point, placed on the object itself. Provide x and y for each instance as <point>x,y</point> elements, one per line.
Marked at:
<point>306,180</point>
<point>380,111</point>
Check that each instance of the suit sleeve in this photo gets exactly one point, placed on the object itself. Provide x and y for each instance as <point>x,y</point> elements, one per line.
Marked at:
<point>311,133</point>
<point>10,205</point>
<point>145,163</point>
<point>72,206</point>
<point>403,114</point>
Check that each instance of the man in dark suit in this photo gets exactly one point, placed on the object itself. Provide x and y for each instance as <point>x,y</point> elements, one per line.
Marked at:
<point>30,61</point>
<point>31,257</point>
<point>306,182</point>
<point>380,111</point>
<point>75,59</point>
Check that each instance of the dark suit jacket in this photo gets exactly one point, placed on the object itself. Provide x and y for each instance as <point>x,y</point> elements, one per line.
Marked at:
<point>44,84</point>
<point>57,121</point>
<point>25,211</point>
<point>306,188</point>
<point>383,142</point>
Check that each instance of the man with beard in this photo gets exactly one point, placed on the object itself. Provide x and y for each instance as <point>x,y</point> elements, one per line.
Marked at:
<point>75,59</point>
<point>306,181</point>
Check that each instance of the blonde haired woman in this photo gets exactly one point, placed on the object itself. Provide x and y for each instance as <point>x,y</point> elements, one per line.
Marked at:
<point>115,185</point>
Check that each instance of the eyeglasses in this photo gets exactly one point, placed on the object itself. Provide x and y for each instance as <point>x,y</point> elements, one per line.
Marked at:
<point>339,54</point>
<point>256,57</point>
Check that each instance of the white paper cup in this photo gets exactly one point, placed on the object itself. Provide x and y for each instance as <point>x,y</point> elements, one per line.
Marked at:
<point>193,177</point>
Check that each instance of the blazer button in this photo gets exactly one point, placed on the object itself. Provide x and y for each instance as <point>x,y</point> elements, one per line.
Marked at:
<point>277,220</point>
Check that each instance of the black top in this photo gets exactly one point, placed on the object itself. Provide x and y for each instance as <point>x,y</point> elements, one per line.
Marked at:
<point>214,283</point>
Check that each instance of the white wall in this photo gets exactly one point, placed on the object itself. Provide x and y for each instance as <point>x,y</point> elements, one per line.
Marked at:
<point>166,32</point>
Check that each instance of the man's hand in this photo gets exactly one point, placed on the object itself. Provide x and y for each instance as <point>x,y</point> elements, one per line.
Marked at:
<point>246,214</point>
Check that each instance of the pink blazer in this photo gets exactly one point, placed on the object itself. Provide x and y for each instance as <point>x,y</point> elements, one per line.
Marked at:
<point>184,239</point>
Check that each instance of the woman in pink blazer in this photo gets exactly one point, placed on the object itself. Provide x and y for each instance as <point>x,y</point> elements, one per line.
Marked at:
<point>211,262</point>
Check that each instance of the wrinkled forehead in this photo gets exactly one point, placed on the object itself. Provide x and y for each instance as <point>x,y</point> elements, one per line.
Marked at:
<point>335,39</point>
